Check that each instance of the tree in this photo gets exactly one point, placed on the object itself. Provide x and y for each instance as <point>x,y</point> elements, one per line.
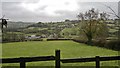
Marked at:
<point>93,24</point>
<point>116,15</point>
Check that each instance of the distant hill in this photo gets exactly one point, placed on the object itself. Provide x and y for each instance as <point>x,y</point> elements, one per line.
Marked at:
<point>18,24</point>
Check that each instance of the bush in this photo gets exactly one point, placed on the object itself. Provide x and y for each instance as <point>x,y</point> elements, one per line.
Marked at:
<point>57,39</point>
<point>12,37</point>
<point>39,39</point>
<point>80,39</point>
<point>99,43</point>
<point>114,44</point>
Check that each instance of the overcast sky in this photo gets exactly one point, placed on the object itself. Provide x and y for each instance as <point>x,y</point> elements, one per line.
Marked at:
<point>50,10</point>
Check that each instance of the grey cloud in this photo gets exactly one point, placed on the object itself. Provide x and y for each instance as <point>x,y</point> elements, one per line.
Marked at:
<point>42,7</point>
<point>119,8</point>
<point>33,1</point>
<point>14,12</point>
<point>6,6</point>
<point>100,6</point>
<point>0,9</point>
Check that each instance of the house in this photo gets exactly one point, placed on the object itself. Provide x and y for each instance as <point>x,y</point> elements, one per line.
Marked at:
<point>32,37</point>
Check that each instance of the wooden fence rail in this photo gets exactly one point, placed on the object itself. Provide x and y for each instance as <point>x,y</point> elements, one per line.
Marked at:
<point>96,59</point>
<point>28,59</point>
<point>24,60</point>
<point>74,60</point>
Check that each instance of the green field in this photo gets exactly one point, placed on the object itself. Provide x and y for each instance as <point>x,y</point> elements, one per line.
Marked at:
<point>69,49</point>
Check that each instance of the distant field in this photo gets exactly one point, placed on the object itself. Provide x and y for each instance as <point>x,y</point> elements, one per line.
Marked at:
<point>69,49</point>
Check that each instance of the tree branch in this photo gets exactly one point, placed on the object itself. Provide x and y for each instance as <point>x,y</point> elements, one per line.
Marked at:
<point>112,10</point>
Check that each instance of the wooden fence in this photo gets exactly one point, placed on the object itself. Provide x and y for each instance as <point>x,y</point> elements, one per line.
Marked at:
<point>24,60</point>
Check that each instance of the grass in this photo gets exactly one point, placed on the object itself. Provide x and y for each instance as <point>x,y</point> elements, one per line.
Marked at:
<point>69,49</point>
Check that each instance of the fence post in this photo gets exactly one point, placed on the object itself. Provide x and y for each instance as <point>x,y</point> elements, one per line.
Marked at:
<point>57,59</point>
<point>97,62</point>
<point>22,63</point>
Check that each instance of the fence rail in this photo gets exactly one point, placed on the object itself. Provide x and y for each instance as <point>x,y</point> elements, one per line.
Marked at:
<point>74,60</point>
<point>24,60</point>
<point>28,59</point>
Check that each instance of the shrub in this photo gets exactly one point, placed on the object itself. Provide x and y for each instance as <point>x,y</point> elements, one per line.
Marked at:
<point>36,40</point>
<point>57,39</point>
<point>80,39</point>
<point>113,44</point>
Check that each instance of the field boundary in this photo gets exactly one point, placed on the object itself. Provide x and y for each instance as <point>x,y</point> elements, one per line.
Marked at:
<point>24,60</point>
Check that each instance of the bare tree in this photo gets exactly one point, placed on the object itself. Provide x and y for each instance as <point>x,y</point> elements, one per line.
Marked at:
<point>116,15</point>
<point>113,12</point>
<point>93,23</point>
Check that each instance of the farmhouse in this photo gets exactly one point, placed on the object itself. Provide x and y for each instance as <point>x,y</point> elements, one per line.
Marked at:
<point>32,37</point>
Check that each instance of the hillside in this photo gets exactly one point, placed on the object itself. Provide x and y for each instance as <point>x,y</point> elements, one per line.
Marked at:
<point>18,24</point>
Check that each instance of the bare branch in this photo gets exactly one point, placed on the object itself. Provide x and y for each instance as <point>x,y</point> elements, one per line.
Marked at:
<point>112,10</point>
<point>3,16</point>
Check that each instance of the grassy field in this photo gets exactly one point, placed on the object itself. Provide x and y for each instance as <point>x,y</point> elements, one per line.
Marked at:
<point>69,49</point>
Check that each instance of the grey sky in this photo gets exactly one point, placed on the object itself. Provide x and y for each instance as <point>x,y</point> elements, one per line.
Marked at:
<point>50,10</point>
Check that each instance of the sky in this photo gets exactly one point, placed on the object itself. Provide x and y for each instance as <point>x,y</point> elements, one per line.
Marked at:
<point>51,10</point>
